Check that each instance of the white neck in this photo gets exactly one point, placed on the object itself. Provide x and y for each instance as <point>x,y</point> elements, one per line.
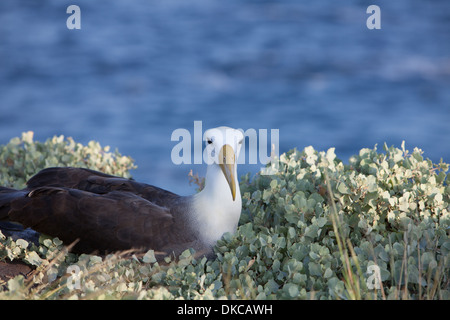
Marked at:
<point>214,208</point>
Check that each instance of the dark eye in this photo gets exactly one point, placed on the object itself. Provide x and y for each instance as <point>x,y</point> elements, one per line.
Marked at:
<point>209,141</point>
<point>240,142</point>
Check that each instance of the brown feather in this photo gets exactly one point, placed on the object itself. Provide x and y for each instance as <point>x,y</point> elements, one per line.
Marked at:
<point>106,213</point>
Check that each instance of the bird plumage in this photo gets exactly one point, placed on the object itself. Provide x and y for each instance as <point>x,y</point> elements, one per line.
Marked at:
<point>105,213</point>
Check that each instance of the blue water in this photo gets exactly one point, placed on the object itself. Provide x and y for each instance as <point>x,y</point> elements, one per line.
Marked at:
<point>137,70</point>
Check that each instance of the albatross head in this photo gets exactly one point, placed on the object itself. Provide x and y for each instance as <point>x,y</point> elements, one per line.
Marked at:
<point>218,206</point>
<point>223,145</point>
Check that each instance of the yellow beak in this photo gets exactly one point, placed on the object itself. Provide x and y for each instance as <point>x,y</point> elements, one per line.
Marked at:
<point>227,163</point>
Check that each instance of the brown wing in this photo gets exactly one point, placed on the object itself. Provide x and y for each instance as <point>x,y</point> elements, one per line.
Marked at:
<point>105,213</point>
<point>108,222</point>
<point>97,182</point>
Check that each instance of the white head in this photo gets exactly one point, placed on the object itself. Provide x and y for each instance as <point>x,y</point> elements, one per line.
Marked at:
<point>218,206</point>
<point>223,145</point>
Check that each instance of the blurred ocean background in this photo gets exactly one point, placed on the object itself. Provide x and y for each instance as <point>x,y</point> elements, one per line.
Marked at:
<point>138,70</point>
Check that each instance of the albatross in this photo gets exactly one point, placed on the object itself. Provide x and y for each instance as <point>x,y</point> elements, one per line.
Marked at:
<point>105,213</point>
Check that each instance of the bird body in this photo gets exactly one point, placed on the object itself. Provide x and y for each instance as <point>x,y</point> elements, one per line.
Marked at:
<point>226,211</point>
<point>105,213</point>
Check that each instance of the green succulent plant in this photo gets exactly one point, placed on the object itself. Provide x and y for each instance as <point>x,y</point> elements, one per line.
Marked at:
<point>318,228</point>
